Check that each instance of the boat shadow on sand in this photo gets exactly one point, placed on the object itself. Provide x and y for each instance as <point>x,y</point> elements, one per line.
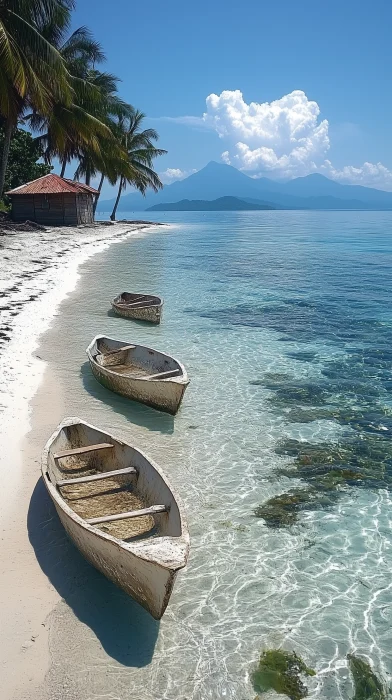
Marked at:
<point>132,410</point>
<point>125,630</point>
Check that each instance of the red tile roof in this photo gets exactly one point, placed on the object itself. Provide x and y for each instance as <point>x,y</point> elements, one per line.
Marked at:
<point>52,184</point>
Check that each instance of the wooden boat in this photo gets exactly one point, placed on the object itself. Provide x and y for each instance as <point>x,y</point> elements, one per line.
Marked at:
<point>139,373</point>
<point>141,307</point>
<point>119,510</point>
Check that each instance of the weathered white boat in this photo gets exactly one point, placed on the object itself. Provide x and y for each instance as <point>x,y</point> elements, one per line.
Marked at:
<point>141,307</point>
<point>139,373</point>
<point>119,509</point>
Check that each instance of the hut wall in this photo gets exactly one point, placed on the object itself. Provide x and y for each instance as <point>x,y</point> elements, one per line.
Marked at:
<point>49,209</point>
<point>70,209</point>
<point>23,208</point>
<point>85,209</point>
<point>54,209</point>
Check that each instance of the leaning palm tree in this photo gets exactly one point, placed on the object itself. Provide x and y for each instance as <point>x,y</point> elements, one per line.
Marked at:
<point>32,72</point>
<point>140,154</point>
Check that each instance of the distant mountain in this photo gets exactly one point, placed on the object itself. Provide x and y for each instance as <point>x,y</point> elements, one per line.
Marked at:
<point>317,185</point>
<point>214,181</point>
<point>218,180</point>
<point>220,204</point>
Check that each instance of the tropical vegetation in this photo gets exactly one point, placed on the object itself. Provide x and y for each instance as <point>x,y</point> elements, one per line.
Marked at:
<point>24,154</point>
<point>50,82</point>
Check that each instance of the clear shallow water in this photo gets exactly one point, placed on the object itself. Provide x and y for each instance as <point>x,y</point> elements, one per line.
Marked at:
<point>247,296</point>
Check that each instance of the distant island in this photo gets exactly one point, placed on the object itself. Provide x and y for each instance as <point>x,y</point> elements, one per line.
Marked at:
<point>220,204</point>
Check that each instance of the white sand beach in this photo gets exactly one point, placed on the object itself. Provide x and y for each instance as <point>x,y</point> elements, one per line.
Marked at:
<point>39,269</point>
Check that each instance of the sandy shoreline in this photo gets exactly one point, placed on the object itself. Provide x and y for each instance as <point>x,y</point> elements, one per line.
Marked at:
<point>39,270</point>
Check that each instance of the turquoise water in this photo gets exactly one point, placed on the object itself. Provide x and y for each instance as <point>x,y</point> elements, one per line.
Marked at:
<point>284,322</point>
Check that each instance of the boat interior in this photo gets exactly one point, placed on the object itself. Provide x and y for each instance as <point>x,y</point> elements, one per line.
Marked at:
<point>112,486</point>
<point>135,361</point>
<point>137,300</point>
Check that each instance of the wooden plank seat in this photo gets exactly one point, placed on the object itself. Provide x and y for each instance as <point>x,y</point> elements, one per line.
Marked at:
<point>96,477</point>
<point>83,450</point>
<point>140,302</point>
<point>152,510</point>
<point>135,301</point>
<point>161,375</point>
<point>114,352</point>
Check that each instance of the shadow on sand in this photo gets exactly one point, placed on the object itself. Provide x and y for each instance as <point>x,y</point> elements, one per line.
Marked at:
<point>132,410</point>
<point>126,631</point>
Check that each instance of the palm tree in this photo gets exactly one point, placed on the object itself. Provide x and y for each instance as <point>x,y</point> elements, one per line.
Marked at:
<point>32,72</point>
<point>109,108</point>
<point>140,154</point>
<point>72,127</point>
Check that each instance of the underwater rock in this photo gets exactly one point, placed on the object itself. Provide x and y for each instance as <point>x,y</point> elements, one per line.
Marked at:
<point>281,671</point>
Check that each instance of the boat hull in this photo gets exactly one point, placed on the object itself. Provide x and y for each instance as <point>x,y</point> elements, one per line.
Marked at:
<point>152,314</point>
<point>164,396</point>
<point>143,567</point>
<point>147,582</point>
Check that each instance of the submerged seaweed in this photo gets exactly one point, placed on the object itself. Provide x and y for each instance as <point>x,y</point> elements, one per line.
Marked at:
<point>281,671</point>
<point>283,510</point>
<point>326,469</point>
<point>353,392</point>
<point>367,685</point>
<point>366,461</point>
<point>302,321</point>
<point>351,403</point>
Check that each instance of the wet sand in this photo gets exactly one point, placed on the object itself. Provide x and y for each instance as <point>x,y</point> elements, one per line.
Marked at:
<point>27,595</point>
<point>38,270</point>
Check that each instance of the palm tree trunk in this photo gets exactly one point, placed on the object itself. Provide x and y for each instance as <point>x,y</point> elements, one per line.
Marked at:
<point>88,176</point>
<point>99,193</point>
<point>113,214</point>
<point>63,166</point>
<point>9,127</point>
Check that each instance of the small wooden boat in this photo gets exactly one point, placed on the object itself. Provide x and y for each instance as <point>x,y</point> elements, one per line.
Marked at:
<point>141,307</point>
<point>139,373</point>
<point>119,510</point>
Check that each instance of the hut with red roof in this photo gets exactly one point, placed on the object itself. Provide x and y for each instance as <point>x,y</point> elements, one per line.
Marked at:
<point>53,201</point>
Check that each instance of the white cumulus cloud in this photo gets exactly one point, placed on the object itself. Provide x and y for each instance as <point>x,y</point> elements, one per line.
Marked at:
<point>171,174</point>
<point>284,137</point>
<point>369,174</point>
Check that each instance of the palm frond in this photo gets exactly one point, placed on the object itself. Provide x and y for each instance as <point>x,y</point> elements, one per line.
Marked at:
<point>81,44</point>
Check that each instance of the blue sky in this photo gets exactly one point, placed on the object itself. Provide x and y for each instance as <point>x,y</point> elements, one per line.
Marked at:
<point>335,57</point>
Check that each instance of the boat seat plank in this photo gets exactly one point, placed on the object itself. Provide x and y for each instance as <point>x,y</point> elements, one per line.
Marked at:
<point>113,352</point>
<point>83,450</point>
<point>152,510</point>
<point>140,305</point>
<point>96,477</point>
<point>135,300</point>
<point>161,375</point>
<point>136,303</point>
